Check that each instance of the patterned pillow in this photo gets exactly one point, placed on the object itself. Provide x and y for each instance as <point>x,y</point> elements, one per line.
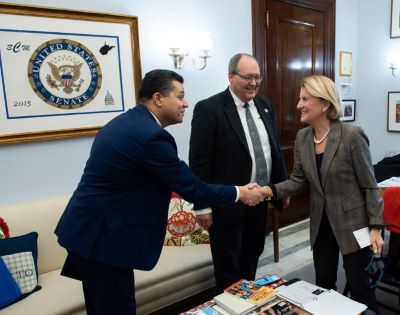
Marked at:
<point>182,229</point>
<point>19,254</point>
<point>4,233</point>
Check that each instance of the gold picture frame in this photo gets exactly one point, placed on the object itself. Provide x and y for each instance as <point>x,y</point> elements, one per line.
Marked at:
<point>395,19</point>
<point>346,63</point>
<point>68,80</point>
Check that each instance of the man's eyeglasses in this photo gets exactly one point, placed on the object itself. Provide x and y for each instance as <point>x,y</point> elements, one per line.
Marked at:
<point>249,78</point>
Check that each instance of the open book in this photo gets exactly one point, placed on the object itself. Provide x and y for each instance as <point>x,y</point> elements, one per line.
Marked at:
<point>319,301</point>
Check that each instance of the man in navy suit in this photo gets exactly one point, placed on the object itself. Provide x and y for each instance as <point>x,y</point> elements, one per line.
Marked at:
<point>116,218</point>
<point>222,152</point>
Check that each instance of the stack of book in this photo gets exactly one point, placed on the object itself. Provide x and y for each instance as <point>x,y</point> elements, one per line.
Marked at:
<point>245,296</point>
<point>267,296</point>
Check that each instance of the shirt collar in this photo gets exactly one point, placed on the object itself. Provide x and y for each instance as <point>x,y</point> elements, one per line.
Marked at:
<point>238,101</point>
<point>155,117</point>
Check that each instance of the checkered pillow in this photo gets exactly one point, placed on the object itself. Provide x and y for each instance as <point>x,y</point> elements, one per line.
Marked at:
<point>19,255</point>
<point>182,229</point>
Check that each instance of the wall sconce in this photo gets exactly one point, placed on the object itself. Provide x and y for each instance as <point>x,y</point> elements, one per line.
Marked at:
<point>394,63</point>
<point>177,57</point>
<point>202,43</point>
<point>345,86</point>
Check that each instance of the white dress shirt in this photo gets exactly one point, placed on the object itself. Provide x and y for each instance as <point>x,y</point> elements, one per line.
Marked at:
<point>262,131</point>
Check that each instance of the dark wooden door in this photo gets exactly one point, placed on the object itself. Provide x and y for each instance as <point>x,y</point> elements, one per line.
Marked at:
<point>292,39</point>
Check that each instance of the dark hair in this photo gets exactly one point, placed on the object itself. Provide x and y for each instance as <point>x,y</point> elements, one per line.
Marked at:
<point>233,62</point>
<point>157,81</point>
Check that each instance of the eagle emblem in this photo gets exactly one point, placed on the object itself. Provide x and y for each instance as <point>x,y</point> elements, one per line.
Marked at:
<point>65,76</point>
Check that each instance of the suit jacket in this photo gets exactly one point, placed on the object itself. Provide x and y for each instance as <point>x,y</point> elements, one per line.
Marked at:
<point>118,213</point>
<point>218,148</point>
<point>348,190</point>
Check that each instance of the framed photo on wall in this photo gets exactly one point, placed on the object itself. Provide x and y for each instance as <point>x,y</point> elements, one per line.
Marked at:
<point>346,63</point>
<point>393,111</point>
<point>348,112</point>
<point>395,19</point>
<point>64,73</point>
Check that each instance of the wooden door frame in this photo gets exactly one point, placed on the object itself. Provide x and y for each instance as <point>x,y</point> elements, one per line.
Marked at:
<point>259,9</point>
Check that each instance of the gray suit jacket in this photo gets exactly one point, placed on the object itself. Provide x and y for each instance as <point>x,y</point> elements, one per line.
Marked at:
<point>348,190</point>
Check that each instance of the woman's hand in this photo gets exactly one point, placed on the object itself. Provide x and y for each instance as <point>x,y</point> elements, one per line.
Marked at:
<point>376,240</point>
<point>267,191</point>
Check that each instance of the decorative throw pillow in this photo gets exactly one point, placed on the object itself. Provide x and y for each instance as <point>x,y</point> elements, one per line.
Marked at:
<point>182,229</point>
<point>9,290</point>
<point>22,268</point>
<point>20,256</point>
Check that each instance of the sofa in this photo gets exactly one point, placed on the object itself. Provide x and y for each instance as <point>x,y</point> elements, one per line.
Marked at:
<point>182,271</point>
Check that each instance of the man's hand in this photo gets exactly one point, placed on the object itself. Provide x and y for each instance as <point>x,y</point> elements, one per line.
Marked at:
<point>205,220</point>
<point>251,194</point>
<point>376,240</point>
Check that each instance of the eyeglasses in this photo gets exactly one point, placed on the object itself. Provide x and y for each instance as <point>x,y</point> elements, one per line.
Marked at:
<point>249,78</point>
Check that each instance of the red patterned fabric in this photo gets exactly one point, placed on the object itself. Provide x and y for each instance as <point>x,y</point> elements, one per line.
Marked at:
<point>182,229</point>
<point>391,213</point>
<point>4,230</point>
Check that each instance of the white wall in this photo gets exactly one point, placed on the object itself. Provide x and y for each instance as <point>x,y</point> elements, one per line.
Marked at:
<point>31,171</point>
<point>374,76</point>
<point>346,40</point>
<point>363,28</point>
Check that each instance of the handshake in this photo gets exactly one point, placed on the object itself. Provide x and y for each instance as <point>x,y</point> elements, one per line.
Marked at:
<point>252,194</point>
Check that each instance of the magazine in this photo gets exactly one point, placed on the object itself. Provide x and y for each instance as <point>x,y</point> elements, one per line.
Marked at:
<point>278,306</point>
<point>245,295</point>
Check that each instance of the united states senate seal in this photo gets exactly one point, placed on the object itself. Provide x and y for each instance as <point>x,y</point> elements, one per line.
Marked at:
<point>64,74</point>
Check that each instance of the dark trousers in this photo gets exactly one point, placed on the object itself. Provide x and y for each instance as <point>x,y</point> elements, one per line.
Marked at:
<point>107,290</point>
<point>326,259</point>
<point>237,246</point>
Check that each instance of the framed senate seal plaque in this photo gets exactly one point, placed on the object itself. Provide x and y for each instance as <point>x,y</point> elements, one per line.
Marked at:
<point>64,73</point>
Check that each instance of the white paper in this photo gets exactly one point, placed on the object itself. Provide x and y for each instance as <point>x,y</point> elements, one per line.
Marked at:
<point>362,237</point>
<point>319,301</point>
<point>300,292</point>
<point>334,303</point>
<point>391,182</point>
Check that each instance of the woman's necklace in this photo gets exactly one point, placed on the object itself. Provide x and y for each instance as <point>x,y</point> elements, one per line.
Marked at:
<point>323,138</point>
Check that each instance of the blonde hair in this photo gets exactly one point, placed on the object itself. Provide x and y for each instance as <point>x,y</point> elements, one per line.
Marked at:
<point>324,88</point>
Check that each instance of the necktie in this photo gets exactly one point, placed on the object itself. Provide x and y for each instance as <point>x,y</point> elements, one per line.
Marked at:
<point>261,163</point>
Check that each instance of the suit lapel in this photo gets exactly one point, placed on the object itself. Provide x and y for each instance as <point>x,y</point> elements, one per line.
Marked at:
<point>330,149</point>
<point>234,120</point>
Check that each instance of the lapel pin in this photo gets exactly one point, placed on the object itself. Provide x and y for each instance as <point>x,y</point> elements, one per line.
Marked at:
<point>266,110</point>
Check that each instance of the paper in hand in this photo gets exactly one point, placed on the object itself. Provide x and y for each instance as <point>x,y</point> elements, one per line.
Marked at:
<point>362,237</point>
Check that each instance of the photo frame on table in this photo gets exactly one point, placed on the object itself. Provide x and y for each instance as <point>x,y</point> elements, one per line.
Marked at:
<point>348,112</point>
<point>64,73</point>
<point>393,111</point>
<point>395,19</point>
<point>346,63</point>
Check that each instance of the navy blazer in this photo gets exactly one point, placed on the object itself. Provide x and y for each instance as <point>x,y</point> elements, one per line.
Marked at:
<point>118,213</point>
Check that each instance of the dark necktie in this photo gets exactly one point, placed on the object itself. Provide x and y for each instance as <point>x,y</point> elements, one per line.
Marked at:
<point>261,163</point>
